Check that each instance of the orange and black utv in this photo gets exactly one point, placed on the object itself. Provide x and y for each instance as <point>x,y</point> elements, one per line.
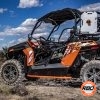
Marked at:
<point>55,53</point>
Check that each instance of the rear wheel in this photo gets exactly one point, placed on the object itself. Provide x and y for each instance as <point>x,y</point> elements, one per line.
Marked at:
<point>91,72</point>
<point>11,72</point>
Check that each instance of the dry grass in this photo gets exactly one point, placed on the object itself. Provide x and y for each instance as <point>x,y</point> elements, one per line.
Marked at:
<point>4,89</point>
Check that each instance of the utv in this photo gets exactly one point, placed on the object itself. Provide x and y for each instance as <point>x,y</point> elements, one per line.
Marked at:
<point>59,53</point>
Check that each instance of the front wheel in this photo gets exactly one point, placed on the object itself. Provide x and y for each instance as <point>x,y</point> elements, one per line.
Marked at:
<point>91,72</point>
<point>11,72</point>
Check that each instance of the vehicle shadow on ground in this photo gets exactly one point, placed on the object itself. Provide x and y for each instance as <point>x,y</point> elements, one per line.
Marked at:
<point>53,83</point>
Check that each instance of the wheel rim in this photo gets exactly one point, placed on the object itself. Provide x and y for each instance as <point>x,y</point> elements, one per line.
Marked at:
<point>93,74</point>
<point>10,73</point>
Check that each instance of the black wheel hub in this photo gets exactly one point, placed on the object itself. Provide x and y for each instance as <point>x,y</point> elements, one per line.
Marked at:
<point>10,73</point>
<point>93,74</point>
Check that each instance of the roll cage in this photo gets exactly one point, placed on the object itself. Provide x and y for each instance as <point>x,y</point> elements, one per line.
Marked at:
<point>56,18</point>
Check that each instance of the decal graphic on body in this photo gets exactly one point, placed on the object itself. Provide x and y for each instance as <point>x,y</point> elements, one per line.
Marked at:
<point>30,56</point>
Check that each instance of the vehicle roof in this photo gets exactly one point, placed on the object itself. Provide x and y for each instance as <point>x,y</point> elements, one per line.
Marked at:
<point>59,16</point>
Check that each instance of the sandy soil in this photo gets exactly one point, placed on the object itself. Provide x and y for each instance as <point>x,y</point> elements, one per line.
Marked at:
<point>51,93</point>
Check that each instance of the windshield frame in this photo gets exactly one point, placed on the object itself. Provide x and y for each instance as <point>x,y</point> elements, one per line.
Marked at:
<point>37,26</point>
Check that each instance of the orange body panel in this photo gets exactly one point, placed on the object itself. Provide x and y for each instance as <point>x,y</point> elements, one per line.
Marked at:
<point>68,59</point>
<point>72,51</point>
<point>29,56</point>
<point>50,77</point>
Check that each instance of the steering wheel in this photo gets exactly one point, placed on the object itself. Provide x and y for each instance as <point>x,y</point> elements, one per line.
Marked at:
<point>47,42</point>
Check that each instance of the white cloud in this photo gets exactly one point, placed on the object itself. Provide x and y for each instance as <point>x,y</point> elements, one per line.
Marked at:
<point>40,34</point>
<point>29,22</point>
<point>12,41</point>
<point>1,39</point>
<point>21,40</point>
<point>29,3</point>
<point>24,28</point>
<point>91,7</point>
<point>2,10</point>
<point>22,31</point>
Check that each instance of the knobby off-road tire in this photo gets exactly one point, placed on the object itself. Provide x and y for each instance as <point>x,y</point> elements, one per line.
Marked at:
<point>91,72</point>
<point>11,72</point>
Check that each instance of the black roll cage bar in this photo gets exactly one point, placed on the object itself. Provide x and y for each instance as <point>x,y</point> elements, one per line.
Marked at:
<point>58,25</point>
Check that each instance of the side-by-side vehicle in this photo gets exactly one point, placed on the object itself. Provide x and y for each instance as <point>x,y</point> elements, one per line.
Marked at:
<point>57,47</point>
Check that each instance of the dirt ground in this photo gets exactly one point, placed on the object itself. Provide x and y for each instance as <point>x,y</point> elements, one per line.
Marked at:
<point>59,93</point>
<point>51,93</point>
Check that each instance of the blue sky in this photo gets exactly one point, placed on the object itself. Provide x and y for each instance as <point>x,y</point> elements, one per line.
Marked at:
<point>17,17</point>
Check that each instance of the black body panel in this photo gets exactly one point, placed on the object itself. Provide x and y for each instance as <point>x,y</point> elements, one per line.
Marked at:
<point>50,72</point>
<point>19,46</point>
